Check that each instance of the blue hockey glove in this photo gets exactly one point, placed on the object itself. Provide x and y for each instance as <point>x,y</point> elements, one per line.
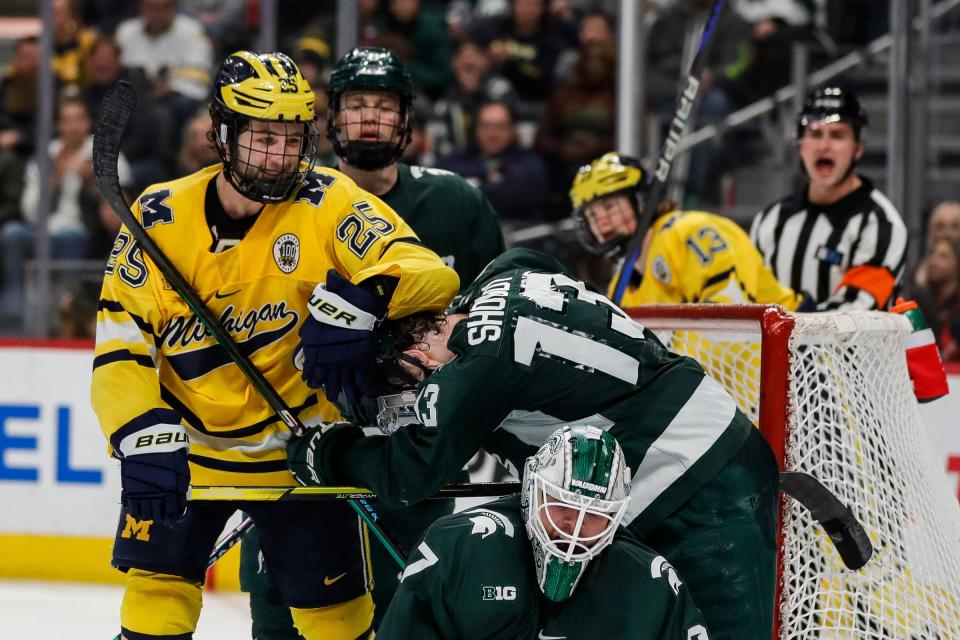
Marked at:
<point>154,473</point>
<point>808,304</point>
<point>338,337</point>
<point>155,485</point>
<point>310,457</point>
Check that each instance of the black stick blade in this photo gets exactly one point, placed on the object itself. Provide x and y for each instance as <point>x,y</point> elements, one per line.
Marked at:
<point>115,110</point>
<point>848,535</point>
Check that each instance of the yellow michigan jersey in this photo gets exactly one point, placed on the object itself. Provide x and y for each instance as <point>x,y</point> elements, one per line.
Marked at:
<point>696,256</point>
<point>156,365</point>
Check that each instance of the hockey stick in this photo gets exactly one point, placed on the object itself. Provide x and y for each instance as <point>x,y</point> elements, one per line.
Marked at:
<point>228,541</point>
<point>848,535</point>
<point>285,494</point>
<point>108,132</point>
<point>657,182</point>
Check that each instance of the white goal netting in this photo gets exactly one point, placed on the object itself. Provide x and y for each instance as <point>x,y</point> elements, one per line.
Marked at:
<point>835,397</point>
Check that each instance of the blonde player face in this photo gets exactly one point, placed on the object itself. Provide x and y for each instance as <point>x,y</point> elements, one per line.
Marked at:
<point>828,151</point>
<point>369,116</point>
<point>270,150</point>
<point>610,217</point>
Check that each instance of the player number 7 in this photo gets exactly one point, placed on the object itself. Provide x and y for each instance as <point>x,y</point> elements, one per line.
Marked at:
<point>429,559</point>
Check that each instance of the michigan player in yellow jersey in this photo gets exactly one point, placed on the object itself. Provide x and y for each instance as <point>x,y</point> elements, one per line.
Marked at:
<point>300,266</point>
<point>370,99</point>
<point>687,256</point>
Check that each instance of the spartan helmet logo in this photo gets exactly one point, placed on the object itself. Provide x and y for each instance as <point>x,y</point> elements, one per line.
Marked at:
<point>286,252</point>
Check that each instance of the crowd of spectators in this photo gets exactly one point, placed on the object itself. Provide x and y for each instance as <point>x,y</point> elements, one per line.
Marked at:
<point>515,95</point>
<point>935,283</point>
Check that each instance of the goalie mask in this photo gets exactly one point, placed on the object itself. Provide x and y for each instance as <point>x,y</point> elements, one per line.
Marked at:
<point>264,125</point>
<point>574,496</point>
<point>369,108</point>
<point>612,174</point>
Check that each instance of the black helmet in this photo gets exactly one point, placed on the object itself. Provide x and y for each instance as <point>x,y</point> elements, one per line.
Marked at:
<point>832,104</point>
<point>612,173</point>
<point>371,69</point>
<point>266,87</point>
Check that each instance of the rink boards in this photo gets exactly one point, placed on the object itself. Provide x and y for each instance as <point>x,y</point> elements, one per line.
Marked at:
<point>59,492</point>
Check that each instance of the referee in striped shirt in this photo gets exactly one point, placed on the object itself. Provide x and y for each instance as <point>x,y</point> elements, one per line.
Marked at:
<point>839,239</point>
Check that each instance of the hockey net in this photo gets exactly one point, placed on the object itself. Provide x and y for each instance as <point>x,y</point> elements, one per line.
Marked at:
<point>832,395</point>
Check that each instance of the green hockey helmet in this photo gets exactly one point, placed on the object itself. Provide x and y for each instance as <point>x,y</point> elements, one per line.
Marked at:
<point>370,69</point>
<point>574,495</point>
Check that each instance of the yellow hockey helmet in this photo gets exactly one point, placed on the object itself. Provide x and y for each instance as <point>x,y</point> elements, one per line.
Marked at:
<point>610,174</point>
<point>263,87</point>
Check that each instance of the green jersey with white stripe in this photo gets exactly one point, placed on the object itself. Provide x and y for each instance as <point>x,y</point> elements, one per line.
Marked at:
<point>537,350</point>
<point>472,578</point>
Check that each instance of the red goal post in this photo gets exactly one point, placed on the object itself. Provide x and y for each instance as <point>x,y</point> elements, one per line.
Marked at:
<point>831,394</point>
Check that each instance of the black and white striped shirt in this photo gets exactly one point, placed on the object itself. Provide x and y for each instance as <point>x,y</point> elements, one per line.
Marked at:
<point>814,247</point>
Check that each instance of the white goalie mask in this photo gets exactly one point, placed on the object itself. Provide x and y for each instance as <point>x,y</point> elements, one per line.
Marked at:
<point>574,496</point>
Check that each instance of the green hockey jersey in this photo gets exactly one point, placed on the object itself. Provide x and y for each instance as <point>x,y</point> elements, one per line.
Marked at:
<point>449,216</point>
<point>538,350</point>
<point>472,578</point>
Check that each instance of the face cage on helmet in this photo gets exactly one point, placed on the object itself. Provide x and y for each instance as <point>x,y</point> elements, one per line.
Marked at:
<point>572,546</point>
<point>370,156</point>
<point>613,248</point>
<point>255,187</point>
<point>560,563</point>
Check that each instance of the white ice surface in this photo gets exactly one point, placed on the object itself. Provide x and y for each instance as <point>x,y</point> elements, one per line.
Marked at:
<point>32,610</point>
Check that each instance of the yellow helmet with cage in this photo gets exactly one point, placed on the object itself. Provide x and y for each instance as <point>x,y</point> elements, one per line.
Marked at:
<point>264,87</point>
<point>610,174</point>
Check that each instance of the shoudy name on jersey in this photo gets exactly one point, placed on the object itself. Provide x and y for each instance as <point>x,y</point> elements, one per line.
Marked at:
<point>485,320</point>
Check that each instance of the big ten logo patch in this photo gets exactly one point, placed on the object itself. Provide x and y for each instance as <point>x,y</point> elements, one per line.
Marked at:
<point>136,529</point>
<point>500,593</point>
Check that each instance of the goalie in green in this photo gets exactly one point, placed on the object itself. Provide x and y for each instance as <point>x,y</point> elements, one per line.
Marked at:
<point>551,563</point>
<point>527,348</point>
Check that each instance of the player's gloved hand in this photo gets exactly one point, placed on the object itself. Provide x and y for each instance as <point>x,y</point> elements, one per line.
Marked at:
<point>155,484</point>
<point>339,342</point>
<point>311,458</point>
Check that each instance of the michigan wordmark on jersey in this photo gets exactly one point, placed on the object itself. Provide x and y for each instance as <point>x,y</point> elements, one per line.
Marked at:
<point>156,364</point>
